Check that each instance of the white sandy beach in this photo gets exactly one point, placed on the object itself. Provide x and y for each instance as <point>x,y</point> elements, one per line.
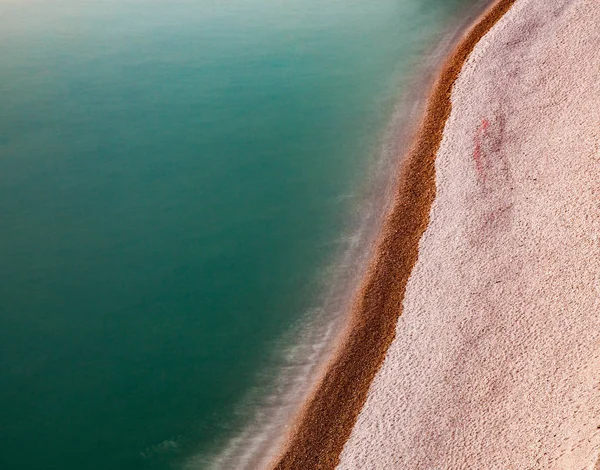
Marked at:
<point>496,360</point>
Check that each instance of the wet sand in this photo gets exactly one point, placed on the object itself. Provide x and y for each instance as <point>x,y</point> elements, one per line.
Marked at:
<point>329,415</point>
<point>496,356</point>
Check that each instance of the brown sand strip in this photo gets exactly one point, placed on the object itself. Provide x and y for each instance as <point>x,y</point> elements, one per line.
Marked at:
<point>327,418</point>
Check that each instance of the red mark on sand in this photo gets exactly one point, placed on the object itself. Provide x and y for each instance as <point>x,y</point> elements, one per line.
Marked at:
<point>477,153</point>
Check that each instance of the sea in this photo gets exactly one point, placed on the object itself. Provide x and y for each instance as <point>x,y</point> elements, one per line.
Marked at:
<point>178,181</point>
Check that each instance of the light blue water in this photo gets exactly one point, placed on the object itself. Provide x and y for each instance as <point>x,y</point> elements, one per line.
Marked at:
<point>174,177</point>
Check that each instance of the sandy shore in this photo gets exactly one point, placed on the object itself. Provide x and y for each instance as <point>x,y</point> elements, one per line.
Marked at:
<point>327,419</point>
<point>496,359</point>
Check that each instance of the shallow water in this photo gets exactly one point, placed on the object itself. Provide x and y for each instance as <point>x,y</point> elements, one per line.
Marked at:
<point>176,178</point>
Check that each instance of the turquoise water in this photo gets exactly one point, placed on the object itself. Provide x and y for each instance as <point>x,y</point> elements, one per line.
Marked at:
<point>175,178</point>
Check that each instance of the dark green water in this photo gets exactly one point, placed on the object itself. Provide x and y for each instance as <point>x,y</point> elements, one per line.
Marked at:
<point>175,177</point>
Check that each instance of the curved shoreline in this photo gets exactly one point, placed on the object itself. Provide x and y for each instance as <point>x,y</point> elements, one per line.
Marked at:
<point>328,416</point>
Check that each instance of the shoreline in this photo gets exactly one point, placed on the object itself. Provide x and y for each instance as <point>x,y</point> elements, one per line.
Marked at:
<point>327,417</point>
<point>315,338</point>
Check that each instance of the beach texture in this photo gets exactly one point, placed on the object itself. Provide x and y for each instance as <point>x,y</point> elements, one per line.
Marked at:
<point>496,358</point>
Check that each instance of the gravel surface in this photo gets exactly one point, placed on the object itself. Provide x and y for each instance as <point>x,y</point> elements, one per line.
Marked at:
<point>496,359</point>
